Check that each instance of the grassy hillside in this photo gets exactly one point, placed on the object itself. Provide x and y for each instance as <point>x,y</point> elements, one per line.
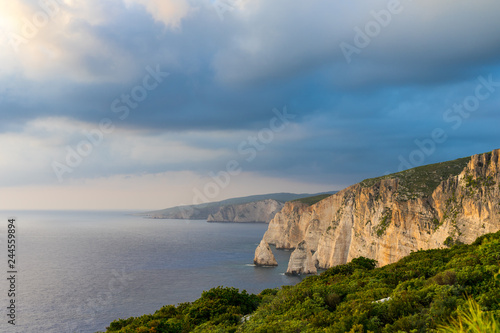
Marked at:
<point>312,200</point>
<point>428,291</point>
<point>422,181</point>
<point>202,211</point>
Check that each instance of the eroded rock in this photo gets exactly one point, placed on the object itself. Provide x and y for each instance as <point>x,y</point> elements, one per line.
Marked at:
<point>301,261</point>
<point>387,218</point>
<point>264,255</point>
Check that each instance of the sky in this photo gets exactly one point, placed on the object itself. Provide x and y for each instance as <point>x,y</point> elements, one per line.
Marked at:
<point>149,104</point>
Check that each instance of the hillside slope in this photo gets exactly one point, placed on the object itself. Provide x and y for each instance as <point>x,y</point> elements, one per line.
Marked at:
<point>387,218</point>
<point>258,211</point>
<point>203,211</point>
<point>419,293</point>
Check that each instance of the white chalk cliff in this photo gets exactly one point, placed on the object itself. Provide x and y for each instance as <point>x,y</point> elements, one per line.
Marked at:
<point>301,261</point>
<point>387,218</point>
<point>259,211</point>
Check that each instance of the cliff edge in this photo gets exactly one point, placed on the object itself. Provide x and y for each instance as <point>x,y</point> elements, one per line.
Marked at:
<point>259,211</point>
<point>387,218</point>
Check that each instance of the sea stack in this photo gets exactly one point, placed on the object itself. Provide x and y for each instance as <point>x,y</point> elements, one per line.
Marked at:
<point>388,217</point>
<point>301,261</point>
<point>264,256</point>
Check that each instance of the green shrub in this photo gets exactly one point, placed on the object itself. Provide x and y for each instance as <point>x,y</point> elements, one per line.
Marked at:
<point>312,200</point>
<point>472,319</point>
<point>424,292</point>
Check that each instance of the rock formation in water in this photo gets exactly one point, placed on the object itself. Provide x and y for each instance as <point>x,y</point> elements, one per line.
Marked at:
<point>387,218</point>
<point>301,261</point>
<point>259,211</point>
<point>264,256</point>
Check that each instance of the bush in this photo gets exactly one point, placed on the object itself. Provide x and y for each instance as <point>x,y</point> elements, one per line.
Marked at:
<point>471,319</point>
<point>419,293</point>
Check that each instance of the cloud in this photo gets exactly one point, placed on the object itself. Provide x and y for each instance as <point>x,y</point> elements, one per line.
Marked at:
<point>227,73</point>
<point>87,151</point>
<point>68,41</point>
<point>424,41</point>
<point>259,40</point>
<point>169,12</point>
<point>139,192</point>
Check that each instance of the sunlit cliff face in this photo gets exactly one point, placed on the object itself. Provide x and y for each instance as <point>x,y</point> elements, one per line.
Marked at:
<point>385,222</point>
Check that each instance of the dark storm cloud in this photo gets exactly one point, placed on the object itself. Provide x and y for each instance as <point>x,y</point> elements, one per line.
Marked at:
<point>361,112</point>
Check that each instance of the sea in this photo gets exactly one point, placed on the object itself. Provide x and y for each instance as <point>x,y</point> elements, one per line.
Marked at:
<point>77,271</point>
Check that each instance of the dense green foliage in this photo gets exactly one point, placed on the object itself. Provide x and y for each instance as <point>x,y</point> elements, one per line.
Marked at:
<point>422,181</point>
<point>471,319</point>
<point>312,200</point>
<point>445,290</point>
<point>424,290</point>
<point>219,308</point>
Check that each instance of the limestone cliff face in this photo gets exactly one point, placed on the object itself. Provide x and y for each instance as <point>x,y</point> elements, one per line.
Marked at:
<point>387,218</point>
<point>301,261</point>
<point>264,256</point>
<point>259,211</point>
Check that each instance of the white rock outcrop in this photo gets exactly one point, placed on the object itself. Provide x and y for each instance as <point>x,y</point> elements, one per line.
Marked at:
<point>389,217</point>
<point>264,255</point>
<point>301,261</point>
<point>258,211</point>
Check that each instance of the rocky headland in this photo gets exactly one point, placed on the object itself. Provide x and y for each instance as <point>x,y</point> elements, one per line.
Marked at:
<point>387,218</point>
<point>259,211</point>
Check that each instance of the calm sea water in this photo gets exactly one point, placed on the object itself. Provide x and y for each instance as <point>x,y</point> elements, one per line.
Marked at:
<point>78,271</point>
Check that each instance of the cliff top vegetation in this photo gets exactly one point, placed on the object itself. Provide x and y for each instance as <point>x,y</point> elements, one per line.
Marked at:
<point>312,200</point>
<point>421,181</point>
<point>428,291</point>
